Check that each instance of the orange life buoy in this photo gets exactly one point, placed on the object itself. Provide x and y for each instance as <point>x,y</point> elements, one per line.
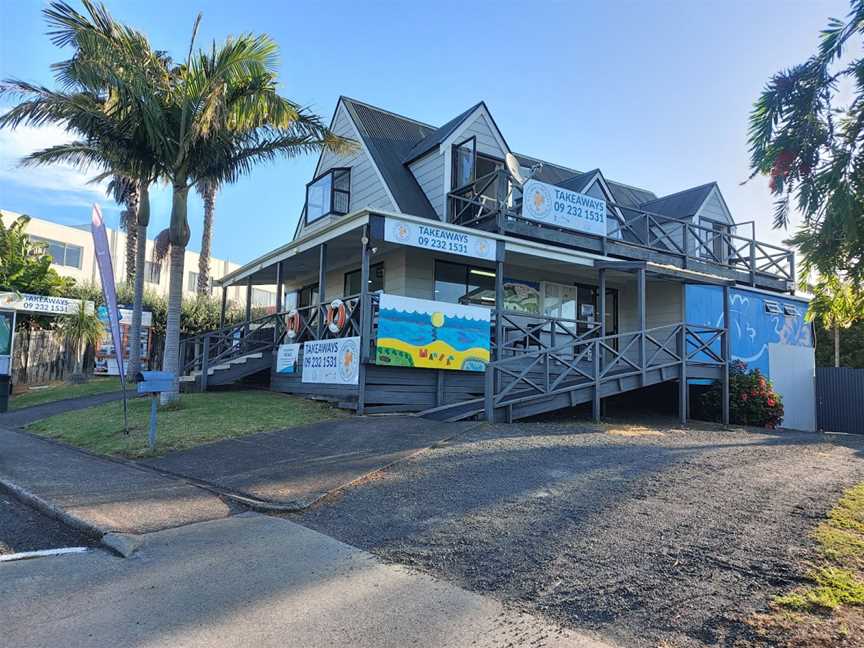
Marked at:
<point>337,315</point>
<point>293,323</point>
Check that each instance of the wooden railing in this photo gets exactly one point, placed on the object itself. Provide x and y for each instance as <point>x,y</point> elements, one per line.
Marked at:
<point>200,353</point>
<point>533,373</point>
<point>471,206</point>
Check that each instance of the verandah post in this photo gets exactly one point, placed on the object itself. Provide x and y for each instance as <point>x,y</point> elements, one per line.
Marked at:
<point>640,298</point>
<point>683,390</point>
<point>726,355</point>
<point>365,318</point>
<point>598,349</point>
<point>205,362</point>
<point>248,307</point>
<point>276,331</point>
<point>595,410</point>
<point>322,287</point>
<point>222,308</point>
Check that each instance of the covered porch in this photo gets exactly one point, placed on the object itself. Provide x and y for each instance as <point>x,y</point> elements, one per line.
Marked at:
<point>557,319</point>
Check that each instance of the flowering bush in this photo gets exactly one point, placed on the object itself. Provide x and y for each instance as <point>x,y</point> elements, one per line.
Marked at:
<point>752,399</point>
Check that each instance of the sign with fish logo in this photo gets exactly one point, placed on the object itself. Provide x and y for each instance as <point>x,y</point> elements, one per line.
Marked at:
<point>550,205</point>
<point>435,238</point>
<point>334,362</point>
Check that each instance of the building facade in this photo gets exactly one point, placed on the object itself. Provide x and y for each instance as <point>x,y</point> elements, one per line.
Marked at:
<point>585,287</point>
<point>73,255</point>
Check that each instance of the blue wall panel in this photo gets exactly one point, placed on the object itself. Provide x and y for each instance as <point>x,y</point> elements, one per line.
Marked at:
<point>752,328</point>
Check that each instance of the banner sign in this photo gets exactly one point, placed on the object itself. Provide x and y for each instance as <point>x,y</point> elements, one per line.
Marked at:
<point>28,303</point>
<point>334,362</point>
<point>106,274</point>
<point>7,330</point>
<point>438,239</point>
<point>432,334</point>
<point>286,358</point>
<point>551,205</point>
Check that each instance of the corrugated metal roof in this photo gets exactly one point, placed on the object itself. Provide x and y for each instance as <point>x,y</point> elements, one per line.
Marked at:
<point>389,137</point>
<point>624,195</point>
<point>434,138</point>
<point>681,204</point>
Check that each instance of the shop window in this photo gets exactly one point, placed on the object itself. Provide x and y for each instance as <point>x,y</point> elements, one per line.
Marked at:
<point>352,280</point>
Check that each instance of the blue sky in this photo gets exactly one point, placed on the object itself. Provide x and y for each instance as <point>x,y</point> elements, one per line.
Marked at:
<point>656,94</point>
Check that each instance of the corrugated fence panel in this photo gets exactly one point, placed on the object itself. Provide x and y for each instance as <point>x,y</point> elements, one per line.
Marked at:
<point>840,399</point>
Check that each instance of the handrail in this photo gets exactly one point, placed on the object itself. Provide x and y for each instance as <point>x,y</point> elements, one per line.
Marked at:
<point>591,362</point>
<point>680,237</point>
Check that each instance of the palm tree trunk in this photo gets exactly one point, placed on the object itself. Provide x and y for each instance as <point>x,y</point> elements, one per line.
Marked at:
<point>206,236</point>
<point>836,345</point>
<point>143,220</point>
<point>131,220</point>
<point>179,235</point>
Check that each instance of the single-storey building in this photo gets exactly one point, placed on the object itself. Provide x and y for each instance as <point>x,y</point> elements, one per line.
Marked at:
<point>435,270</point>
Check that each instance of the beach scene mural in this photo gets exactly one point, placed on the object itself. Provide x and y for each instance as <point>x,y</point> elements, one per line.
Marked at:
<point>431,334</point>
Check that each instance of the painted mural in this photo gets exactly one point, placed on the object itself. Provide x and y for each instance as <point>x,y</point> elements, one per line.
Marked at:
<point>752,326</point>
<point>431,334</point>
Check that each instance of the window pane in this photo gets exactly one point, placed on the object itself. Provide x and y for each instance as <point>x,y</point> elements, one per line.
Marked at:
<point>318,198</point>
<point>352,283</point>
<point>73,256</point>
<point>376,277</point>
<point>450,281</point>
<point>57,252</point>
<point>342,180</point>
<point>481,287</point>
<point>464,166</point>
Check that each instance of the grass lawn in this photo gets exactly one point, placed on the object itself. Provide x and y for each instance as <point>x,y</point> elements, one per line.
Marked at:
<point>829,610</point>
<point>62,390</point>
<point>197,419</point>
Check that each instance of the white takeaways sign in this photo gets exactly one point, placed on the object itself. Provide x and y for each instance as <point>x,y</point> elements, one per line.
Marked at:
<point>551,205</point>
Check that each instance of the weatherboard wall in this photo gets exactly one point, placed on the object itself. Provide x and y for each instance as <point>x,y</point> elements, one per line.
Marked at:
<point>429,172</point>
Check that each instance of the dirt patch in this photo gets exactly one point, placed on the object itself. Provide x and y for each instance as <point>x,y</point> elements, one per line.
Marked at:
<point>678,536</point>
<point>842,629</point>
<point>25,529</point>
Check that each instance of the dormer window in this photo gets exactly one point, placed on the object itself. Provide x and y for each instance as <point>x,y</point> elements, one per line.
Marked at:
<point>329,193</point>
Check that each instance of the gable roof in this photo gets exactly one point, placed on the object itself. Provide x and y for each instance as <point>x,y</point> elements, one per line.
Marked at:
<point>437,136</point>
<point>624,195</point>
<point>682,204</point>
<point>389,137</point>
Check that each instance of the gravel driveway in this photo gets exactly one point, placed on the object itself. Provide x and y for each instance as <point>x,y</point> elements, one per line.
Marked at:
<point>641,535</point>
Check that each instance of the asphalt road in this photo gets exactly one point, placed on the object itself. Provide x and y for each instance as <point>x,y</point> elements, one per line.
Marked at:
<point>673,537</point>
<point>25,529</point>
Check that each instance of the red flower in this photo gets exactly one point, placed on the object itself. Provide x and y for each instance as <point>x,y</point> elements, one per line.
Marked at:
<point>744,397</point>
<point>770,402</point>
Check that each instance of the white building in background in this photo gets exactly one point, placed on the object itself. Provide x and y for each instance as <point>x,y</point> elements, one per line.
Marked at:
<point>71,249</point>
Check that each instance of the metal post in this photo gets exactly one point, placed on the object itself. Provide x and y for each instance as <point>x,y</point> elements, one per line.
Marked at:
<point>640,298</point>
<point>151,434</point>
<point>322,287</point>
<point>792,271</point>
<point>205,363</point>
<point>224,305</point>
<point>364,316</point>
<point>683,389</point>
<point>726,355</point>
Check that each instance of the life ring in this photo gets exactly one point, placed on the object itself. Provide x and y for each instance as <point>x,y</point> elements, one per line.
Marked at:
<point>293,323</point>
<point>337,315</point>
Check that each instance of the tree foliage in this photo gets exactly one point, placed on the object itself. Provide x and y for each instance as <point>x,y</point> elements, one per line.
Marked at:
<point>25,266</point>
<point>81,329</point>
<point>812,147</point>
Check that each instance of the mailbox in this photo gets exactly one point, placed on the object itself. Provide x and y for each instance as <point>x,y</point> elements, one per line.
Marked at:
<point>155,382</point>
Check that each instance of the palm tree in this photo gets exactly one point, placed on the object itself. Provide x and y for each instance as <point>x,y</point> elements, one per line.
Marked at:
<point>81,329</point>
<point>124,191</point>
<point>207,189</point>
<point>100,103</point>
<point>214,117</point>
<point>837,305</point>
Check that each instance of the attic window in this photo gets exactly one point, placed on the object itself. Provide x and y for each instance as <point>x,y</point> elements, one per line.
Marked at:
<point>789,309</point>
<point>773,308</point>
<point>329,193</point>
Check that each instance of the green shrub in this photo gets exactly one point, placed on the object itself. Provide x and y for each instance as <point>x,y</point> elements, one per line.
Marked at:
<point>752,399</point>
